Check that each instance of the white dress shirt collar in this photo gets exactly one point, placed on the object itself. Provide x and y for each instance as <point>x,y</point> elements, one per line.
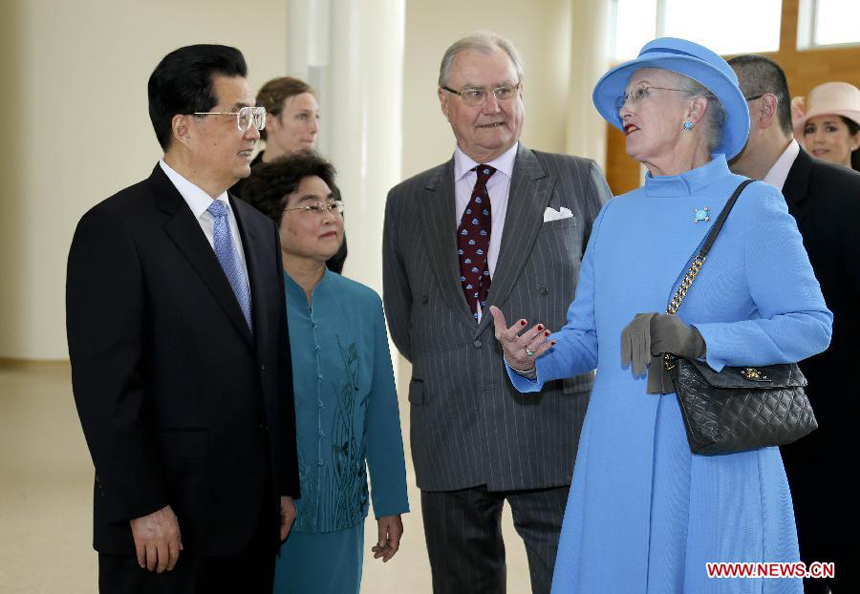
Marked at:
<point>198,200</point>
<point>779,172</point>
<point>463,163</point>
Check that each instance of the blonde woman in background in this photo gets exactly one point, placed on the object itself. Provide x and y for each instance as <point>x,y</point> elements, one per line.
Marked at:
<point>293,118</point>
<point>827,123</point>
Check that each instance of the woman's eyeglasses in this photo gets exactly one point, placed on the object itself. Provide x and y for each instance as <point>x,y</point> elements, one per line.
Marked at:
<point>638,93</point>
<point>319,208</point>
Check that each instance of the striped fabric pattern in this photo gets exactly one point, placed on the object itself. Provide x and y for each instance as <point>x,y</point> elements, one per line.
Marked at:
<point>469,426</point>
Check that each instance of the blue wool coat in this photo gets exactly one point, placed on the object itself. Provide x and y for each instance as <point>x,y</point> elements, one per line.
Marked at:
<point>644,513</point>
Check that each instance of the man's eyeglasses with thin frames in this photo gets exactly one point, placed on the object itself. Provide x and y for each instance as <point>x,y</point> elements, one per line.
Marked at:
<point>473,97</point>
<point>245,117</point>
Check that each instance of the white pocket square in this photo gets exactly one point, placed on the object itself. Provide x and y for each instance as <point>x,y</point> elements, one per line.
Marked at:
<point>550,214</point>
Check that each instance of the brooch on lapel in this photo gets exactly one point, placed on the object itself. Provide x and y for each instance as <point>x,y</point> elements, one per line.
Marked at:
<point>701,215</point>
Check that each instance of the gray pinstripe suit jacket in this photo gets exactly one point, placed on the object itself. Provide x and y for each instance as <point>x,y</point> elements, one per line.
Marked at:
<point>469,426</point>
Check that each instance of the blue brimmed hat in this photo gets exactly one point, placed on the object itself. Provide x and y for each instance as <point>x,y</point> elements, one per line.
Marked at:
<point>690,59</point>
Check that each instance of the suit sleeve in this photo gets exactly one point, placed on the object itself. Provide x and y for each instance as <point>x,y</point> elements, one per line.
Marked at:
<point>105,317</point>
<point>792,320</point>
<point>289,475</point>
<point>384,441</point>
<point>395,282</point>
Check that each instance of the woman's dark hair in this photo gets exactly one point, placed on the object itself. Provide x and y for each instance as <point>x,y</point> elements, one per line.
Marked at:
<point>183,82</point>
<point>853,128</point>
<point>273,93</point>
<point>270,184</point>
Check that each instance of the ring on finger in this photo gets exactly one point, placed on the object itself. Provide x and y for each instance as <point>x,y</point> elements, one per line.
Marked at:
<point>529,352</point>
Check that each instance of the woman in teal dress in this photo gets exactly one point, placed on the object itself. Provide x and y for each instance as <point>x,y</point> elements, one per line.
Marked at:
<point>347,418</point>
<point>644,514</point>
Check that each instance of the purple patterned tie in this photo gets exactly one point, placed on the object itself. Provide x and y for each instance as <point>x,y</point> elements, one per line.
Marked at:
<point>473,242</point>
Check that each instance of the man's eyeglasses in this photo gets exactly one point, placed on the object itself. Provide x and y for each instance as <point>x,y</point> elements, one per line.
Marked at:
<point>638,93</point>
<point>319,208</point>
<point>475,97</point>
<point>245,117</point>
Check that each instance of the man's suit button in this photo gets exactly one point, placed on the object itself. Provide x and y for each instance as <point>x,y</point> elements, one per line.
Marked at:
<point>262,367</point>
<point>425,299</point>
<point>543,291</point>
<point>478,344</point>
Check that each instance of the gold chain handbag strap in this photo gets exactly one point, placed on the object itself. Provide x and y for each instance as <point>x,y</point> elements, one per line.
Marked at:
<point>698,261</point>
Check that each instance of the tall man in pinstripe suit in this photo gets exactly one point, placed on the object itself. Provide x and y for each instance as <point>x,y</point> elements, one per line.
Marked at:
<point>499,224</point>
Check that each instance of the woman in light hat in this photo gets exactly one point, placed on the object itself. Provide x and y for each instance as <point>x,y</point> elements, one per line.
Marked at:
<point>644,514</point>
<point>827,123</point>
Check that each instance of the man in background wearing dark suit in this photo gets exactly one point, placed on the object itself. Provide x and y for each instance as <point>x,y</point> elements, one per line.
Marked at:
<point>499,224</point>
<point>825,200</point>
<point>180,358</point>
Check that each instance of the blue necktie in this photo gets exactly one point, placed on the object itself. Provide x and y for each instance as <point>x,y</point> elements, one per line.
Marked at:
<point>225,251</point>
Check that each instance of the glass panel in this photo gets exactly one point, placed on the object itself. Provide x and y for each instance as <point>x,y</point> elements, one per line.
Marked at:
<point>635,25</point>
<point>729,26</point>
<point>836,21</point>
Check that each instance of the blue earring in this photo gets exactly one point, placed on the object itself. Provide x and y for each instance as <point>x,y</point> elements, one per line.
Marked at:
<point>688,125</point>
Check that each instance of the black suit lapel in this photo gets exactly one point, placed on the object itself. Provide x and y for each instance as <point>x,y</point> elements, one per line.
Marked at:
<point>529,195</point>
<point>256,274</point>
<point>185,231</point>
<point>796,187</point>
<point>439,220</point>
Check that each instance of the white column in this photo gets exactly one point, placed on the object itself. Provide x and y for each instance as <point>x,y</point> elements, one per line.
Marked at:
<point>352,51</point>
<point>589,48</point>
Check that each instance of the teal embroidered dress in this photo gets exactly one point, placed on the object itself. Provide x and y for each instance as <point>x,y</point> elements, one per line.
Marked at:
<point>347,422</point>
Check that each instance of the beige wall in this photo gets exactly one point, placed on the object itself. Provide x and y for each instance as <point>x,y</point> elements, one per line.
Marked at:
<point>77,128</point>
<point>541,31</point>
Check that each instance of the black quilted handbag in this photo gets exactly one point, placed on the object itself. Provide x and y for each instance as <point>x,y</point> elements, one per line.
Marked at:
<point>738,408</point>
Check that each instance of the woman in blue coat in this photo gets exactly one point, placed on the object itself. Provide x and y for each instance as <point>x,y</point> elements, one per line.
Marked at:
<point>644,514</point>
<point>347,417</point>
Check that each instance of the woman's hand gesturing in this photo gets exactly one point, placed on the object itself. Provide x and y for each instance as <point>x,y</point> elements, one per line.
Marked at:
<point>521,350</point>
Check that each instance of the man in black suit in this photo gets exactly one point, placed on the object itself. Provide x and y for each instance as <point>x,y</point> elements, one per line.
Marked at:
<point>180,358</point>
<point>825,200</point>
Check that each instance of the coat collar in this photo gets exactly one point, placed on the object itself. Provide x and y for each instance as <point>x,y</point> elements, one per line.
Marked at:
<point>185,232</point>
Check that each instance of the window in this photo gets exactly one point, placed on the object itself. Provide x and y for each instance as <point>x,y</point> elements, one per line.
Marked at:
<point>828,22</point>
<point>726,27</point>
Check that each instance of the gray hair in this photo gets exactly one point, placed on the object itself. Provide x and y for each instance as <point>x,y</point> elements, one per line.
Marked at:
<point>715,118</point>
<point>482,41</point>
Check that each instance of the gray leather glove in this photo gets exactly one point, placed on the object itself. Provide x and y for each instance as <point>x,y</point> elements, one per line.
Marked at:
<point>670,335</point>
<point>636,343</point>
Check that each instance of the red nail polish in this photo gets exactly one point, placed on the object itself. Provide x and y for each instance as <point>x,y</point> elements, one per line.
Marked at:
<point>552,342</point>
<point>540,327</point>
<point>546,333</point>
<point>522,322</point>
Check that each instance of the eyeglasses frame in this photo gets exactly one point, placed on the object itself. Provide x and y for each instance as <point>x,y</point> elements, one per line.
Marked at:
<point>622,100</point>
<point>335,208</point>
<point>254,110</point>
<point>459,94</point>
